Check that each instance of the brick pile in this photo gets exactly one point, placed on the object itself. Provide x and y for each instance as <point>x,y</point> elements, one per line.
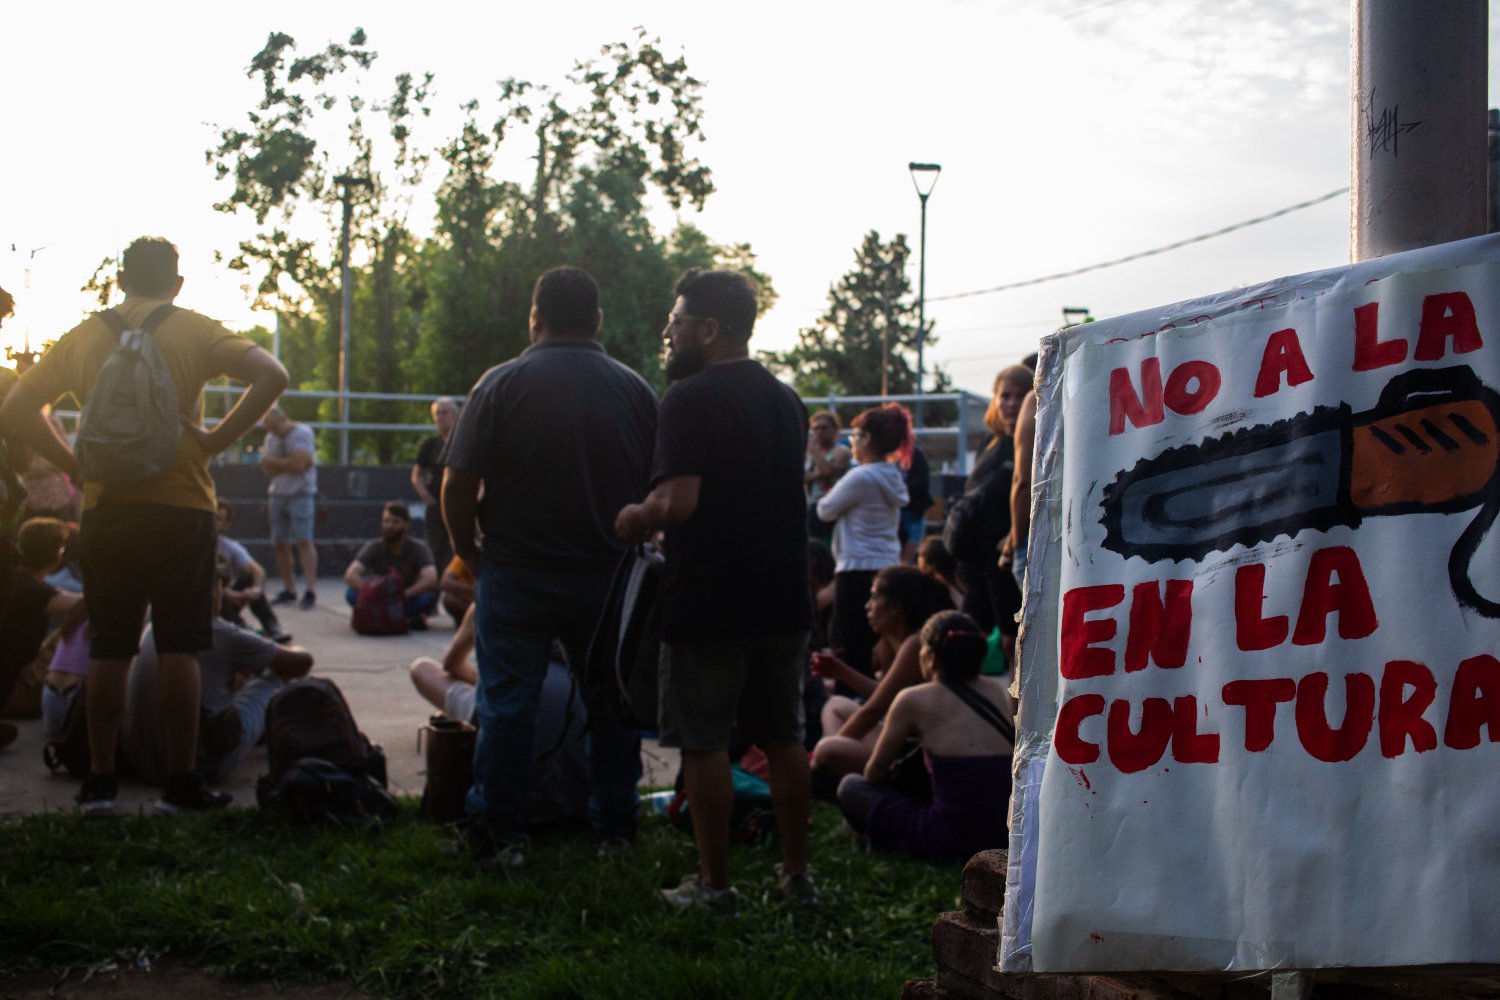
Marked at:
<point>965,948</point>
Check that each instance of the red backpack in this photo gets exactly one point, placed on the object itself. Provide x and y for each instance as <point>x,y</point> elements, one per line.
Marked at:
<point>380,606</point>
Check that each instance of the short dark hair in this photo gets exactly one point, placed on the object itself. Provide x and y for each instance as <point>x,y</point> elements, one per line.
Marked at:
<point>149,266</point>
<point>918,595</point>
<point>228,511</point>
<point>398,508</point>
<point>957,644</point>
<point>726,296</point>
<point>935,554</point>
<point>41,541</point>
<point>889,428</point>
<point>567,300</point>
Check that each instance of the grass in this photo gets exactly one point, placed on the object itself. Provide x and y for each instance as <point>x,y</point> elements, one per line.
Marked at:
<point>246,897</point>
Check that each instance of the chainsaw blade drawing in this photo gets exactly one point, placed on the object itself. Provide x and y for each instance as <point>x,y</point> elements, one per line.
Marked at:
<point>1431,444</point>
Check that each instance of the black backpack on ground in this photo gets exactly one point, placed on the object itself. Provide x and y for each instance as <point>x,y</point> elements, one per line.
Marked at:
<point>322,766</point>
<point>315,791</point>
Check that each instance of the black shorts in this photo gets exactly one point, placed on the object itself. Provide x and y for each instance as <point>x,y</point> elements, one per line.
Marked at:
<point>137,554</point>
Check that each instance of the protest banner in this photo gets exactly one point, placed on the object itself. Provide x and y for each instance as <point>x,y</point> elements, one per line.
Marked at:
<point>1260,711</point>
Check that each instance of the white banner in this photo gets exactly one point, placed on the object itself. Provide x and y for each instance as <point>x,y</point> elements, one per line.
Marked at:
<point>1261,636</point>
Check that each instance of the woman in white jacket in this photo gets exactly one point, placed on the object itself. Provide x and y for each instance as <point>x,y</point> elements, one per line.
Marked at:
<point>865,506</point>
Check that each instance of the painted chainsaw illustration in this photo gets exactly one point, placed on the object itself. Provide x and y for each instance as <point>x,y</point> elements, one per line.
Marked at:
<point>1431,444</point>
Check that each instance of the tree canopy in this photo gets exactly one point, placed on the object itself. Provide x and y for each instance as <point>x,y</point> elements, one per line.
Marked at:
<point>619,132</point>
<point>871,315</point>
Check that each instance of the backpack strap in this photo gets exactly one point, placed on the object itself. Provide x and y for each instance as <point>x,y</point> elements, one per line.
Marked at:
<point>982,707</point>
<point>154,319</point>
<point>114,321</point>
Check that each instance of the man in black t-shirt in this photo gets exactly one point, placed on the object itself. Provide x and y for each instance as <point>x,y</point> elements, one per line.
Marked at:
<point>560,439</point>
<point>736,609</point>
<point>427,477</point>
<point>395,550</point>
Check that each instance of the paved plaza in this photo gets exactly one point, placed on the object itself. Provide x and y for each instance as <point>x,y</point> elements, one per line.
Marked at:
<point>371,671</point>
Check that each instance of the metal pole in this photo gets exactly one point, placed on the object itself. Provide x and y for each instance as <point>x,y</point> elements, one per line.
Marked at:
<point>919,172</point>
<point>346,310</point>
<point>1418,131</point>
<point>885,331</point>
<point>921,307</point>
<point>1494,178</point>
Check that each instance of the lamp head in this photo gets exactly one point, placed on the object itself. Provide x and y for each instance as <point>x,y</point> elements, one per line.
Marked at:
<point>924,176</point>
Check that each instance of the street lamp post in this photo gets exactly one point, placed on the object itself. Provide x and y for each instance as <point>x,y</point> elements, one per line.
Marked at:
<point>346,311</point>
<point>924,177</point>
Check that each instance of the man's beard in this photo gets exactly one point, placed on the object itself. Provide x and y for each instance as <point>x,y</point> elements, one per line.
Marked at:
<point>686,361</point>
<point>394,535</point>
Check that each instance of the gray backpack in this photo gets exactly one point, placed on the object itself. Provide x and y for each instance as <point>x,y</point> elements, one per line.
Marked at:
<point>129,428</point>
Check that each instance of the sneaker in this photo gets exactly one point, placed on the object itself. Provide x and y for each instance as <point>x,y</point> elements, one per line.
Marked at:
<point>189,793</point>
<point>8,734</point>
<point>308,600</point>
<point>485,849</point>
<point>284,598</point>
<point>798,889</point>
<point>96,799</point>
<point>692,894</point>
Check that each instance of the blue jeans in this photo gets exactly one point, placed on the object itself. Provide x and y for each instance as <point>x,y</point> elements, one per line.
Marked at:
<point>422,604</point>
<point>250,702</point>
<point>518,613</point>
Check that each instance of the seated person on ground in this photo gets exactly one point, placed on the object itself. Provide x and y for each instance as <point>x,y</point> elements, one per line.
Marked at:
<point>396,550</point>
<point>457,587</point>
<point>246,587</point>
<point>67,669</point>
<point>239,674</point>
<point>902,598</point>
<point>966,729</point>
<point>934,559</point>
<point>26,601</point>
<point>68,576</point>
<point>814,688</point>
<point>559,777</point>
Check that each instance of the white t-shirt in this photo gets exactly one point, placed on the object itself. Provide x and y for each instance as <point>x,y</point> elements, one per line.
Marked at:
<point>290,484</point>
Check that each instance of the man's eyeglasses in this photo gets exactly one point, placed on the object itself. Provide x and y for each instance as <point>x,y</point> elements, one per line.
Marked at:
<point>682,319</point>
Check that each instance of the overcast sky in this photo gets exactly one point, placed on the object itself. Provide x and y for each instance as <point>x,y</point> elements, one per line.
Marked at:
<point>1069,132</point>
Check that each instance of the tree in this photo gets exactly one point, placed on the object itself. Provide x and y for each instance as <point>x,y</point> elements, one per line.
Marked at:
<point>622,127</point>
<point>617,136</point>
<point>283,174</point>
<point>871,304</point>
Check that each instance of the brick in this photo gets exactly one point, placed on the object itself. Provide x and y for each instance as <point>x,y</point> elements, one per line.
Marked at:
<point>969,949</point>
<point>923,989</point>
<point>984,885</point>
<point>1111,988</point>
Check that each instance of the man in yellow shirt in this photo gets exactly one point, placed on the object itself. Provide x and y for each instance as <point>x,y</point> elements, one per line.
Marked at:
<point>151,541</point>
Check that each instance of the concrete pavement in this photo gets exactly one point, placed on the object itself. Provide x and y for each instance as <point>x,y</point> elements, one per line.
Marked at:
<point>371,671</point>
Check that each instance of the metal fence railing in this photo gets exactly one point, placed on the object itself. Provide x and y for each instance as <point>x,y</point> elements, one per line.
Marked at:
<point>948,444</point>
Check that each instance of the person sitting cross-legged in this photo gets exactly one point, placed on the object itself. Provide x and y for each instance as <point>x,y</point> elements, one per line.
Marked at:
<point>246,585</point>
<point>396,550</point>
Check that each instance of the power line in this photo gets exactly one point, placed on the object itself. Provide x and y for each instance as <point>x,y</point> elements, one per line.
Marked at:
<point>1146,253</point>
